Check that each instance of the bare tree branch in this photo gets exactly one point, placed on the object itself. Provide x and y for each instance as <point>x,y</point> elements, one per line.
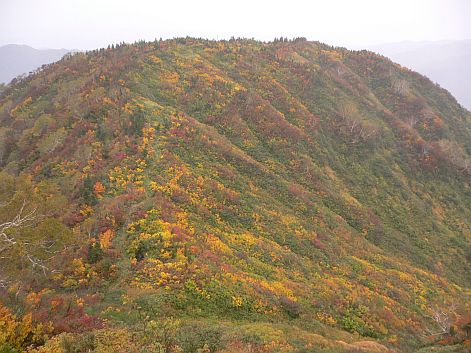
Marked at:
<point>443,320</point>
<point>19,221</point>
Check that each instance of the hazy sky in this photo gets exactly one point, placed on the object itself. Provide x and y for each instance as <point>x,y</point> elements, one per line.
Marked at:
<point>87,24</point>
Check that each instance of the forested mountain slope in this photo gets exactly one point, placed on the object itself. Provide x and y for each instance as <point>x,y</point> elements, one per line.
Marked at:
<point>233,196</point>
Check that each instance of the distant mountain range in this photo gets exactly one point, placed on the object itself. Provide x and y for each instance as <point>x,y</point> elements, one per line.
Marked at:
<point>16,59</point>
<point>446,62</point>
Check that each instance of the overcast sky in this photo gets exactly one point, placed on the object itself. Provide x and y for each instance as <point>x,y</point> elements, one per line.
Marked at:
<point>88,24</point>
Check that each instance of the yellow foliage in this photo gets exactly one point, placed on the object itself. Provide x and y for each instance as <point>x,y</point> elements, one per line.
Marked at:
<point>18,333</point>
<point>79,267</point>
<point>20,106</point>
<point>217,246</point>
<point>86,210</point>
<point>105,238</point>
<point>131,173</point>
<point>237,301</point>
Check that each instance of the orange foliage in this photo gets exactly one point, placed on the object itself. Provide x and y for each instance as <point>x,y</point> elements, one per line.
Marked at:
<point>105,238</point>
<point>98,189</point>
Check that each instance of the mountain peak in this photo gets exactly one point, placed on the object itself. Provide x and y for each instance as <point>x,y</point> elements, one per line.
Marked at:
<point>235,196</point>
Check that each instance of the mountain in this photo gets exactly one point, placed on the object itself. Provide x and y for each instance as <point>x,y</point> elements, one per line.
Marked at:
<point>445,62</point>
<point>17,60</point>
<point>233,196</point>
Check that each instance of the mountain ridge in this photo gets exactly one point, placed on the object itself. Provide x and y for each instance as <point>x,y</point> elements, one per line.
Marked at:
<point>20,59</point>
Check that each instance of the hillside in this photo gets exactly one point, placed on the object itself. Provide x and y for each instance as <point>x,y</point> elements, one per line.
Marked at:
<point>17,60</point>
<point>446,62</point>
<point>233,196</point>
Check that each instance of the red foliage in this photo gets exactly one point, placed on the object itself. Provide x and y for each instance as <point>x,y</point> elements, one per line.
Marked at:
<point>73,218</point>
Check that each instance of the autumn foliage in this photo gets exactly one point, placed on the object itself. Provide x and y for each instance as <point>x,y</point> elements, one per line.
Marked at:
<point>232,196</point>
